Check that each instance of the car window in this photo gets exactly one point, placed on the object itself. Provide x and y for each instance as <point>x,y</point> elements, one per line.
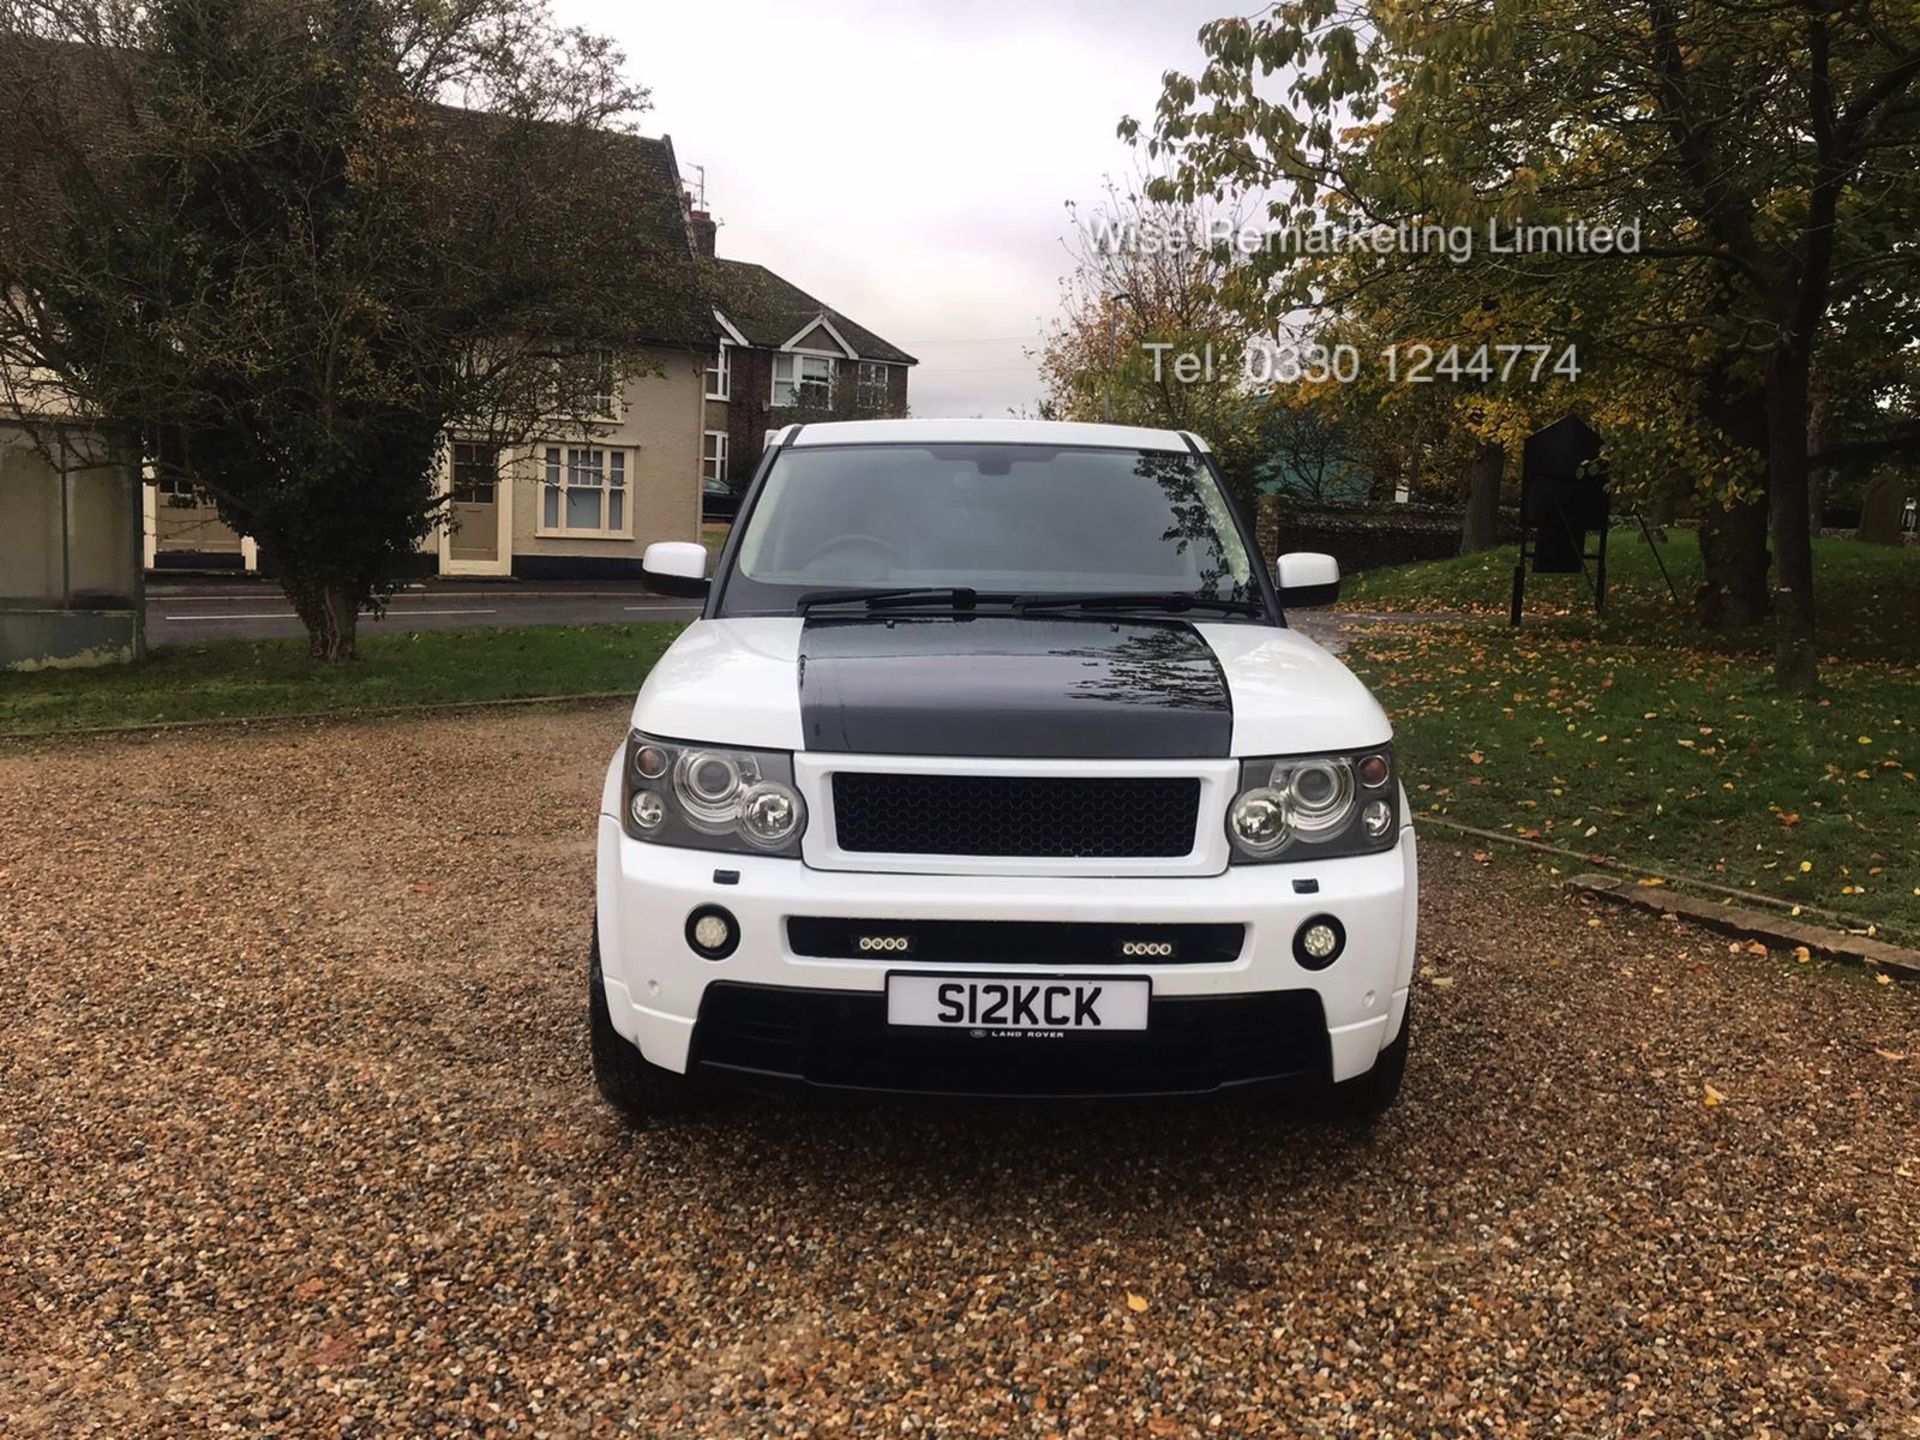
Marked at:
<point>994,517</point>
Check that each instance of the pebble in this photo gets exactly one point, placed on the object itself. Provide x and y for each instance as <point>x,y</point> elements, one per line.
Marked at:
<point>297,1138</point>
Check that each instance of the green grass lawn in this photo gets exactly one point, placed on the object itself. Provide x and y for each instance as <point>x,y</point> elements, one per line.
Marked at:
<point>1641,738</point>
<point>234,678</point>
<point>1868,597</point>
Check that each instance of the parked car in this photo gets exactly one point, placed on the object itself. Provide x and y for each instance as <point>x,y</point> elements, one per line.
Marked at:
<point>718,500</point>
<point>992,767</point>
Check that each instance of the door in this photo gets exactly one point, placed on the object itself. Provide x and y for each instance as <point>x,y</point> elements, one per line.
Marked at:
<point>474,511</point>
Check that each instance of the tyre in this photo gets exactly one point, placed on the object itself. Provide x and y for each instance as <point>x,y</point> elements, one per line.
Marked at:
<point>1361,1101</point>
<point>640,1091</point>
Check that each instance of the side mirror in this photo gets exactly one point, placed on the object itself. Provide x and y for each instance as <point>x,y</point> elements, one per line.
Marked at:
<point>675,567</point>
<point>1307,579</point>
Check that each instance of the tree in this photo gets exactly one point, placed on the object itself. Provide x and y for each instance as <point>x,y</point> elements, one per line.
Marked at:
<point>1315,455</point>
<point>1767,150</point>
<point>253,233</point>
<point>1148,332</point>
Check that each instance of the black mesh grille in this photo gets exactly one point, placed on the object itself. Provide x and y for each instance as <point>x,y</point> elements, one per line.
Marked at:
<point>1042,816</point>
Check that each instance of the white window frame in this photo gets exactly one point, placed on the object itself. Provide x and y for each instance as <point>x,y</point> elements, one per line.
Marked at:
<point>795,361</point>
<point>560,467</point>
<point>720,373</point>
<point>713,466</point>
<point>605,405</point>
<point>863,386</point>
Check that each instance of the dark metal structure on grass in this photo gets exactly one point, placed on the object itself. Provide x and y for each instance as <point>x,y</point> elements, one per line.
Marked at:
<point>1564,505</point>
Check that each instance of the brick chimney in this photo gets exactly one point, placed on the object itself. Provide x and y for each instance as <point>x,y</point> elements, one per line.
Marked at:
<point>705,231</point>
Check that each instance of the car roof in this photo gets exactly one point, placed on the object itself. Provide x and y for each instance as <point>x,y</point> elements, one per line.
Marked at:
<point>984,432</point>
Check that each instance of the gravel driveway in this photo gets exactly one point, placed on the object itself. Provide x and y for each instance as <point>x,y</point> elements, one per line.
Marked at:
<point>297,1137</point>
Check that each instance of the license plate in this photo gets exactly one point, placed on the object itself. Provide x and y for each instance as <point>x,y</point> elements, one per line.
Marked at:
<point>1008,1002</point>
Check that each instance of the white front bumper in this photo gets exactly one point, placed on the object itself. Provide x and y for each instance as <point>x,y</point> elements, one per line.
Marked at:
<point>655,981</point>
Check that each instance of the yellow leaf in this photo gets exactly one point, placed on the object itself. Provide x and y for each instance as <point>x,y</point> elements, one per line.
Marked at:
<point>1806,866</point>
<point>1802,954</point>
<point>1136,1303</point>
<point>1754,947</point>
<point>1713,1097</point>
<point>1896,1056</point>
<point>1650,880</point>
<point>1883,979</point>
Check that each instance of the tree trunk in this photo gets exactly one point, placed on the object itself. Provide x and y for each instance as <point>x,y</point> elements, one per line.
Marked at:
<point>1733,549</point>
<point>1480,524</point>
<point>331,613</point>
<point>1796,663</point>
<point>1733,538</point>
<point>1819,436</point>
<point>1882,505</point>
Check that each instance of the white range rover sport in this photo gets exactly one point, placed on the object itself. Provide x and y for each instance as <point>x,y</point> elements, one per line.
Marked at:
<point>993,768</point>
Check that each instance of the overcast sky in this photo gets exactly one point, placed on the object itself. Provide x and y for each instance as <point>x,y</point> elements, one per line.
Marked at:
<point>908,162</point>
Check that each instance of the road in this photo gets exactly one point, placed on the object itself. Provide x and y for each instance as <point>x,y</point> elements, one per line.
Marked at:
<point>188,613</point>
<point>185,613</point>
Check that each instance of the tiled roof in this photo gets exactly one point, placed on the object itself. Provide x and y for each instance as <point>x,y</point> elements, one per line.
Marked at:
<point>770,311</point>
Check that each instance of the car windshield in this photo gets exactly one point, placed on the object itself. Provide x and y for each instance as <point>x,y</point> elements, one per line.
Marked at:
<point>998,519</point>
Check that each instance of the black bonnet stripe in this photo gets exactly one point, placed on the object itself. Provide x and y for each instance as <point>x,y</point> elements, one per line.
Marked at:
<point>997,685</point>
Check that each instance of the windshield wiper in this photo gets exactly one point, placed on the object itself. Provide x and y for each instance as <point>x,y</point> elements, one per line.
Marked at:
<point>1170,600</point>
<point>959,597</point>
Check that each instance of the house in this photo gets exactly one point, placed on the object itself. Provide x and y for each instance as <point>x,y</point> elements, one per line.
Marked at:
<point>752,352</point>
<point>733,350</point>
<point>784,356</point>
<point>568,506</point>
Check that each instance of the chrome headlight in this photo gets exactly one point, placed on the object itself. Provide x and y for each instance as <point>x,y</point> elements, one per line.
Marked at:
<point>1314,807</point>
<point>707,797</point>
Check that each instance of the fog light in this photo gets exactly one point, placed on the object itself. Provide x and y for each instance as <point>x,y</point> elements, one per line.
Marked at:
<point>1374,771</point>
<point>649,762</point>
<point>711,931</point>
<point>1376,819</point>
<point>1318,943</point>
